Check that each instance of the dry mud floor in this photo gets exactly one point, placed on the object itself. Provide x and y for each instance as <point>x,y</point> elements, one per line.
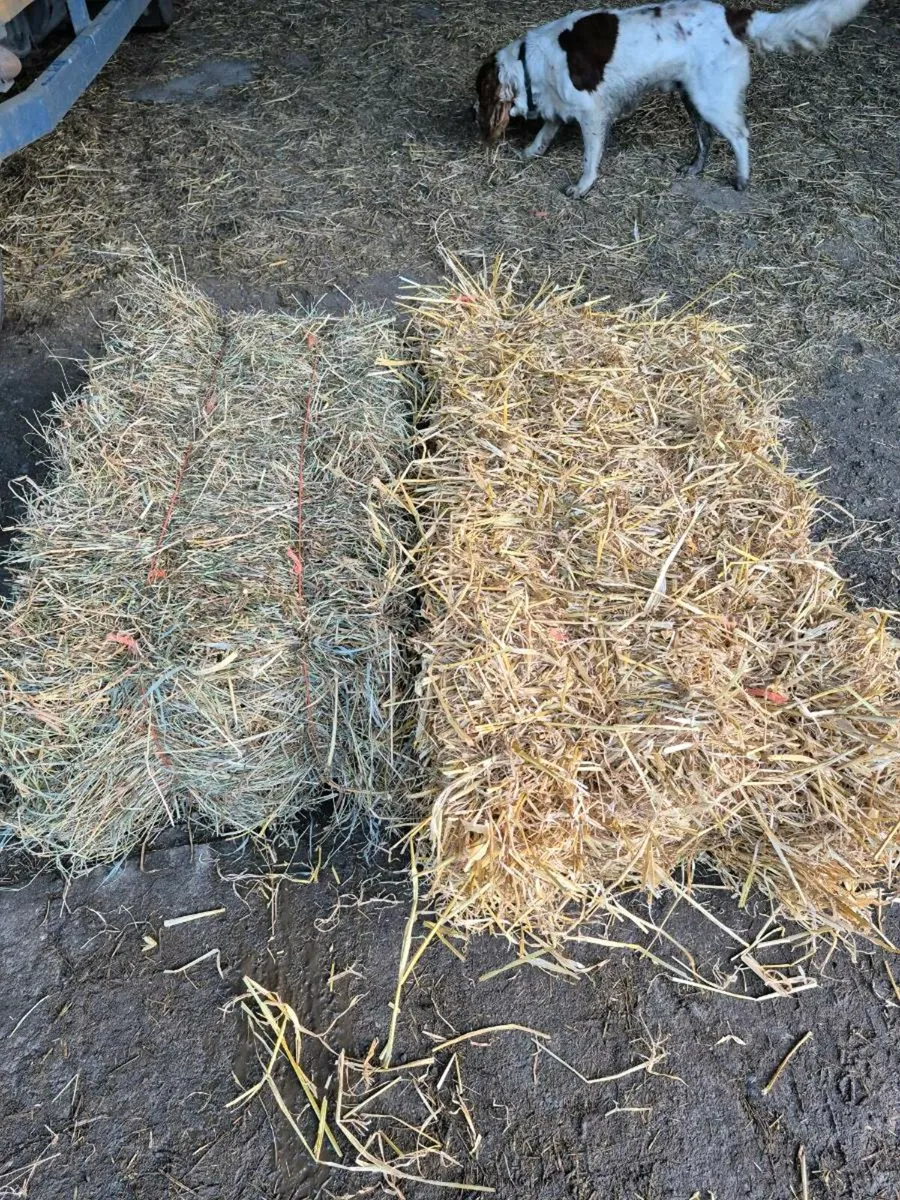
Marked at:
<point>289,151</point>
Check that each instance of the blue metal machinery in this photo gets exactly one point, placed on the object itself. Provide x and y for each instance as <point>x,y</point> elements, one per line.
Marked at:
<point>36,110</point>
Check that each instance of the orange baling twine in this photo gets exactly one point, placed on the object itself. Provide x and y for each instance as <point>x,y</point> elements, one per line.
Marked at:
<point>155,572</point>
<point>296,556</point>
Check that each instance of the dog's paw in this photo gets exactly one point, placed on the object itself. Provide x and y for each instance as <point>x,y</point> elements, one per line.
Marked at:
<point>571,190</point>
<point>741,185</point>
<point>691,170</point>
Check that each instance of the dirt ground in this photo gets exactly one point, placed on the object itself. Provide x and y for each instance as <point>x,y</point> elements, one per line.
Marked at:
<point>295,152</point>
<point>115,1074</point>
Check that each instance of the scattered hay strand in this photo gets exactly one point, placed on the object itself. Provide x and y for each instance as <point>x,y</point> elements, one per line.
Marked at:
<point>171,922</point>
<point>340,1126</point>
<point>635,655</point>
<point>402,1122</point>
<point>804,1173</point>
<point>205,957</point>
<point>776,1074</point>
<point>209,617</point>
<point>654,1055</point>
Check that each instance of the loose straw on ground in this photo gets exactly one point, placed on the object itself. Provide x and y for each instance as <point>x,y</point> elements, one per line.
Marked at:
<point>338,1125</point>
<point>635,657</point>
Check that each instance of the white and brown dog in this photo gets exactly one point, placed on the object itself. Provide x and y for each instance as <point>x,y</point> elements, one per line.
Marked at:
<point>593,67</point>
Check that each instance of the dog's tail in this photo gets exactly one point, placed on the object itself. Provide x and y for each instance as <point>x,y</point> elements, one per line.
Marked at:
<point>800,27</point>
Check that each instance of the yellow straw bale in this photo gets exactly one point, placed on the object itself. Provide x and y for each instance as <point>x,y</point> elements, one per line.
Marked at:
<point>635,656</point>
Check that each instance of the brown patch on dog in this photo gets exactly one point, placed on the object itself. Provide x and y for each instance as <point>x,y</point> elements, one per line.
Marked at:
<point>738,19</point>
<point>588,47</point>
<point>493,111</point>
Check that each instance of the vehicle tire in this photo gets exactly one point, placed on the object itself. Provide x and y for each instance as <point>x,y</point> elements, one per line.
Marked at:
<point>159,15</point>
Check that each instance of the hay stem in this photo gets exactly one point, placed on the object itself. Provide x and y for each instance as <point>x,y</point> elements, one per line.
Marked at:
<point>776,1074</point>
<point>406,945</point>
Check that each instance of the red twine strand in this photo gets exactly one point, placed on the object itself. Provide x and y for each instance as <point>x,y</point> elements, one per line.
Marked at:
<point>155,572</point>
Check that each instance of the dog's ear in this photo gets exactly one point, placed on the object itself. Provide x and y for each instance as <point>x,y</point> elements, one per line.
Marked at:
<point>494,100</point>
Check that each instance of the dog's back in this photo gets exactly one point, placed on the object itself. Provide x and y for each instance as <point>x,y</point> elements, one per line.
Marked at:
<point>590,66</point>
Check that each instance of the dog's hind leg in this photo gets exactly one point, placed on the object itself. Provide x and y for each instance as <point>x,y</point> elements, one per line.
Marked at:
<point>545,136</point>
<point>719,100</point>
<point>704,136</point>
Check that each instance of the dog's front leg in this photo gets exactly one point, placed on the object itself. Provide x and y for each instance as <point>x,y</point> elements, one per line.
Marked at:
<point>594,133</point>
<point>546,134</point>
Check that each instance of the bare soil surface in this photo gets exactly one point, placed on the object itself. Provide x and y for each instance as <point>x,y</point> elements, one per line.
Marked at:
<point>117,1067</point>
<point>295,153</point>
